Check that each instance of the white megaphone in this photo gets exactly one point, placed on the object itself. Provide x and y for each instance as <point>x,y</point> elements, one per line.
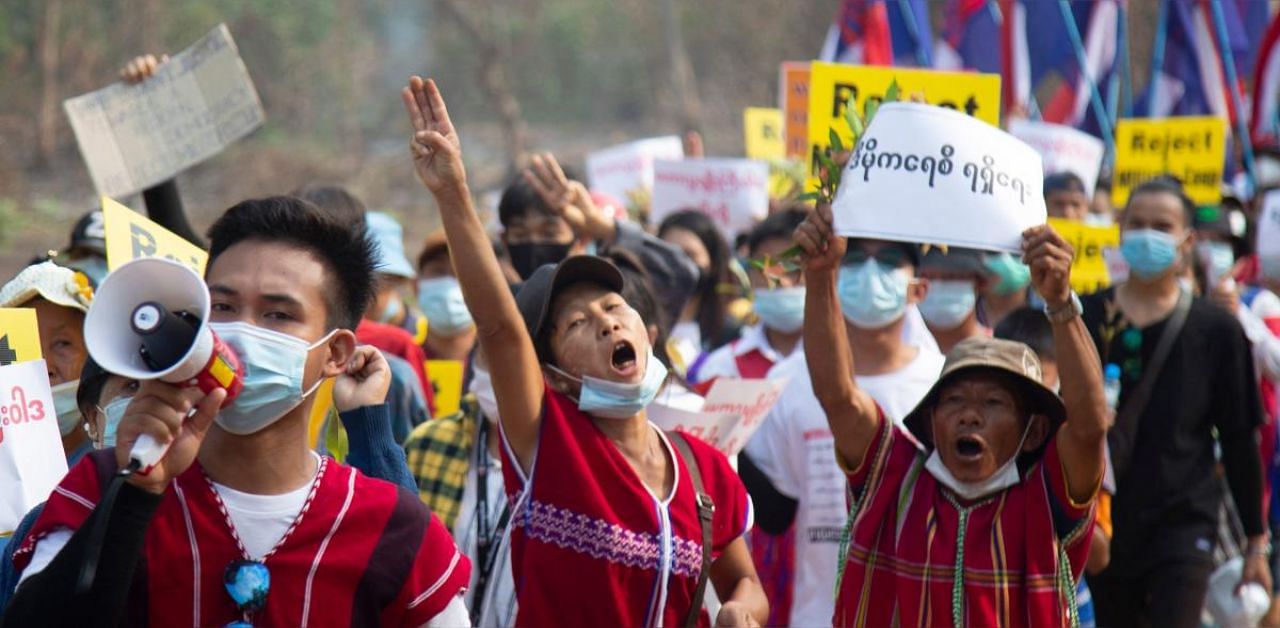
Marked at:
<point>149,320</point>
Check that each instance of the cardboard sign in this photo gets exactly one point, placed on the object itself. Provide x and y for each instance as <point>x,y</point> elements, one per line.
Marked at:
<point>762,133</point>
<point>932,175</point>
<point>131,236</point>
<point>19,335</point>
<point>793,99</point>
<point>733,410</point>
<point>135,136</point>
<point>31,458</point>
<point>1192,149</point>
<point>1089,270</point>
<point>1063,149</point>
<point>445,377</point>
<point>734,193</point>
<point>833,87</point>
<point>627,169</point>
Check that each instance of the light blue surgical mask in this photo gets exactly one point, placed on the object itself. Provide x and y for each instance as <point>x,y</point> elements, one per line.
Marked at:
<point>1218,257</point>
<point>111,416</point>
<point>64,404</point>
<point>391,310</point>
<point>441,301</point>
<point>872,296</point>
<point>1150,253</point>
<point>1013,274</point>
<point>948,303</point>
<point>273,373</point>
<point>781,309</point>
<point>618,400</point>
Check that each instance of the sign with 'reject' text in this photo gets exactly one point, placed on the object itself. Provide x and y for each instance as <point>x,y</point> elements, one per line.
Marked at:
<point>131,236</point>
<point>1193,149</point>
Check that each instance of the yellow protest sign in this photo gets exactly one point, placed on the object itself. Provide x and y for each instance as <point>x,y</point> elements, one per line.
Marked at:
<point>762,131</point>
<point>833,87</point>
<point>446,382</point>
<point>1191,148</point>
<point>19,335</point>
<point>1089,269</point>
<point>131,236</point>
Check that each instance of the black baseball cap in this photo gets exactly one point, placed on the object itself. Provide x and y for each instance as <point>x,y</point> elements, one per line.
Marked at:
<point>537,294</point>
<point>88,233</point>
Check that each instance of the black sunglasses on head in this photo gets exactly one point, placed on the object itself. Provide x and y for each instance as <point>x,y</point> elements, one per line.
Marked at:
<point>892,256</point>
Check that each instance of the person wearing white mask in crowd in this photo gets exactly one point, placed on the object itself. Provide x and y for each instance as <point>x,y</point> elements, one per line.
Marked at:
<point>956,277</point>
<point>795,449</point>
<point>61,297</point>
<point>451,332</point>
<point>778,302</point>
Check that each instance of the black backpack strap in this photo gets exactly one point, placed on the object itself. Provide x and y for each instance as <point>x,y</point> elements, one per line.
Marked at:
<point>706,510</point>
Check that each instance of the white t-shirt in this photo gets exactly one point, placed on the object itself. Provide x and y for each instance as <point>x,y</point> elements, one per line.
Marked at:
<point>723,362</point>
<point>796,451</point>
<point>499,605</point>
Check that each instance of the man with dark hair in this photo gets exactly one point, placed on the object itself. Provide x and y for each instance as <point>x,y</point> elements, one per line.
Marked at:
<point>956,278</point>
<point>1065,196</point>
<point>240,521</point>
<point>1188,385</point>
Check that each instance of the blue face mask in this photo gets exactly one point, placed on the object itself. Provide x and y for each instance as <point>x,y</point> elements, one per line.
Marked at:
<point>273,372</point>
<point>111,416</point>
<point>1218,257</point>
<point>872,296</point>
<point>781,309</point>
<point>1014,275</point>
<point>948,303</point>
<point>441,300</point>
<point>616,400</point>
<point>391,310</point>
<point>64,403</point>
<point>1150,253</point>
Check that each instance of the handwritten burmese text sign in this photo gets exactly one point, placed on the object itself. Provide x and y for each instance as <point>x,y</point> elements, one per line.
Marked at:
<point>1063,149</point>
<point>734,409</point>
<point>932,175</point>
<point>31,457</point>
<point>762,133</point>
<point>131,236</point>
<point>734,193</point>
<point>627,169</point>
<point>793,99</point>
<point>1089,270</point>
<point>19,335</point>
<point>135,136</point>
<point>1192,149</point>
<point>833,87</point>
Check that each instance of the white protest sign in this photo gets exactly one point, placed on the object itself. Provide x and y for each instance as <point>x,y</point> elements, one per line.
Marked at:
<point>135,136</point>
<point>734,193</point>
<point>1063,149</point>
<point>627,169</point>
<point>1269,236</point>
<point>31,458</point>
<point>733,410</point>
<point>932,175</point>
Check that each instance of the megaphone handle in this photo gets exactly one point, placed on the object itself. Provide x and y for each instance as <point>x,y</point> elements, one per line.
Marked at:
<point>146,452</point>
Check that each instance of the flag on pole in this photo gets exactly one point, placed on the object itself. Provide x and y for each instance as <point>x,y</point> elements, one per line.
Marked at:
<point>1264,126</point>
<point>910,33</point>
<point>859,34</point>
<point>1098,26</point>
<point>1190,79</point>
<point>968,28</point>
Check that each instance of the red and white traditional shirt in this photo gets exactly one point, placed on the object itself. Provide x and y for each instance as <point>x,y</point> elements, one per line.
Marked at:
<point>1022,550</point>
<point>362,552</point>
<point>591,546</point>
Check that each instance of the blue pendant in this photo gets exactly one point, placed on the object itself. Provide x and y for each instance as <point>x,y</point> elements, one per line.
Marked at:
<point>247,582</point>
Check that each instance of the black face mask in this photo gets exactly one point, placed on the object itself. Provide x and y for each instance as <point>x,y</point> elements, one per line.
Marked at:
<point>526,258</point>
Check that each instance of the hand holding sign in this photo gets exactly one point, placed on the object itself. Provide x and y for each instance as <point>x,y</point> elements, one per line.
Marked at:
<point>1049,257</point>
<point>823,249</point>
<point>927,174</point>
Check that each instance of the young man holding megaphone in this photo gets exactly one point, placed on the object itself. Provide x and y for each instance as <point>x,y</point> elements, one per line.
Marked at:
<point>239,520</point>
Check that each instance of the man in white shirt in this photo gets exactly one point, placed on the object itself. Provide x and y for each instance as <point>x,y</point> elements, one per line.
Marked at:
<point>794,447</point>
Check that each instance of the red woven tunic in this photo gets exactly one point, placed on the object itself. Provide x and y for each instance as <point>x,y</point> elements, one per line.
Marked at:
<point>591,546</point>
<point>1023,548</point>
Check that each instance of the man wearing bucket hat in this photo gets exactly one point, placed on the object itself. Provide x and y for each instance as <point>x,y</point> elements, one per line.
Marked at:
<point>980,511</point>
<point>60,297</point>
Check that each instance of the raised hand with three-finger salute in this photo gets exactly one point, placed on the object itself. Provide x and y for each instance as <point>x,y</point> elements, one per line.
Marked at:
<point>437,152</point>
<point>165,412</point>
<point>568,198</point>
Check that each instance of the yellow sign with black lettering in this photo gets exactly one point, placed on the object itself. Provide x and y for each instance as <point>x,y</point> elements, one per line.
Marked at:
<point>1193,149</point>
<point>762,131</point>
<point>19,335</point>
<point>1089,269</point>
<point>445,377</point>
<point>833,87</point>
<point>131,236</point>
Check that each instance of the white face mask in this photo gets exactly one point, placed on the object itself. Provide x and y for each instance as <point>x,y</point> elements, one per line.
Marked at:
<point>482,388</point>
<point>1004,477</point>
<point>64,403</point>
